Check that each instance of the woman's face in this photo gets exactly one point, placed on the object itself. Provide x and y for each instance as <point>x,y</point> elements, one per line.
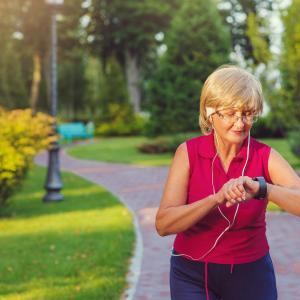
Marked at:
<point>232,125</point>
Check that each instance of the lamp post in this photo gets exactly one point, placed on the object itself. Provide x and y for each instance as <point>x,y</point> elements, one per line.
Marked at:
<point>53,183</point>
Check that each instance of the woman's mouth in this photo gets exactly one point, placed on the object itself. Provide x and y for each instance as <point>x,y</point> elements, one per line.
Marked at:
<point>238,132</point>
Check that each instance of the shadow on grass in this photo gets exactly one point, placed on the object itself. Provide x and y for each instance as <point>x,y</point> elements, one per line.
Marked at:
<point>76,249</point>
<point>78,196</point>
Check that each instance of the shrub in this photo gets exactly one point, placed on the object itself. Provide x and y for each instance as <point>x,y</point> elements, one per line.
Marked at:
<point>294,141</point>
<point>122,125</point>
<point>22,136</point>
<point>264,128</point>
<point>165,144</point>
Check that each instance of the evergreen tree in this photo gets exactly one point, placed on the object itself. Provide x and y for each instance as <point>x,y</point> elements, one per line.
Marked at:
<point>197,43</point>
<point>289,102</point>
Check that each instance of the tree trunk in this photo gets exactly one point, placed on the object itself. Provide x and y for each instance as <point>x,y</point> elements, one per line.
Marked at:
<point>133,76</point>
<point>36,80</point>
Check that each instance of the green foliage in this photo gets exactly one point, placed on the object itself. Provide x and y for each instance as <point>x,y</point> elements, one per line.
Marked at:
<point>114,92</point>
<point>126,26</point>
<point>294,141</point>
<point>261,51</point>
<point>94,79</point>
<point>22,136</point>
<point>290,61</point>
<point>197,43</point>
<point>72,85</point>
<point>116,115</point>
<point>13,92</point>
<point>120,126</point>
<point>164,144</point>
<point>236,14</point>
<point>264,128</point>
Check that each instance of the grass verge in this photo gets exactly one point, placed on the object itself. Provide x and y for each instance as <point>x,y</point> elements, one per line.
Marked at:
<point>123,150</point>
<point>76,249</point>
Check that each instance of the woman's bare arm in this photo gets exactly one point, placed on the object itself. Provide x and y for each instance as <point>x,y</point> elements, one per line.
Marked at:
<point>285,190</point>
<point>174,215</point>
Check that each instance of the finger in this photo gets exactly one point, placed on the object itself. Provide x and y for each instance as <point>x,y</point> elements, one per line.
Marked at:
<point>241,188</point>
<point>238,191</point>
<point>227,196</point>
<point>229,204</point>
<point>234,192</point>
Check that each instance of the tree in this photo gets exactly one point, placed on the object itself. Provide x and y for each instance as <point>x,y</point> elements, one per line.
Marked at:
<point>289,103</point>
<point>13,92</point>
<point>94,86</point>
<point>126,30</point>
<point>197,43</point>
<point>242,16</point>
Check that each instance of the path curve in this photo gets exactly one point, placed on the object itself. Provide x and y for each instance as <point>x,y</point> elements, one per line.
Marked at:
<point>140,188</point>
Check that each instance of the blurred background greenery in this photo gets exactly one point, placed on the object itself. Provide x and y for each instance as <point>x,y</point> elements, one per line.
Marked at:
<point>133,69</point>
<point>136,67</point>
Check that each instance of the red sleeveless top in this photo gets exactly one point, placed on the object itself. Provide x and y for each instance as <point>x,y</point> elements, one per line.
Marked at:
<point>246,240</point>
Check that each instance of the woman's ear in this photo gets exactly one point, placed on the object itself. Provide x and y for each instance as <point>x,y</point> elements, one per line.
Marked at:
<point>211,122</point>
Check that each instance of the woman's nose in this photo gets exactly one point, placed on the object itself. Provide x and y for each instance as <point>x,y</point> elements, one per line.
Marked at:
<point>239,122</point>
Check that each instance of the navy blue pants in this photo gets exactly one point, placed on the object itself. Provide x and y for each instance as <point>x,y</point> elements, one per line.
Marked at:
<point>249,281</point>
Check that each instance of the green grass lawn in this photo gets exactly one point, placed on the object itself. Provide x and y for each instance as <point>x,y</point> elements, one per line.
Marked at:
<point>76,249</point>
<point>123,150</point>
<point>119,149</point>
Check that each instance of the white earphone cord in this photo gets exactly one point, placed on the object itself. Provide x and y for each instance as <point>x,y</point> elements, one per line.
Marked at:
<point>222,214</point>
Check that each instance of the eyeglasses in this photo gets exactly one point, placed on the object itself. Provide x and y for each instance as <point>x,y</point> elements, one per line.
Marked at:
<point>231,117</point>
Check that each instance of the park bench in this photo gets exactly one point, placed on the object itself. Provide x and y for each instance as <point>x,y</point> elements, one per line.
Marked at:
<point>76,130</point>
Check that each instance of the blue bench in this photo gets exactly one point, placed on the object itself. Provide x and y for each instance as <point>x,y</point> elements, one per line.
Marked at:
<point>76,130</point>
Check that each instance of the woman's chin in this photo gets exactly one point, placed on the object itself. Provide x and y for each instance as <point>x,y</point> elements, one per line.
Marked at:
<point>237,136</point>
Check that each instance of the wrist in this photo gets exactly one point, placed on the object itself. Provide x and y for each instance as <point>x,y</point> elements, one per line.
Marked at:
<point>262,187</point>
<point>218,198</point>
<point>256,188</point>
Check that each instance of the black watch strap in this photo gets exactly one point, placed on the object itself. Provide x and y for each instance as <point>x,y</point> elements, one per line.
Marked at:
<point>262,192</point>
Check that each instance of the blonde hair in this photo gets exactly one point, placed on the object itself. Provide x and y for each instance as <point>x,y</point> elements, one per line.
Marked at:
<point>229,86</point>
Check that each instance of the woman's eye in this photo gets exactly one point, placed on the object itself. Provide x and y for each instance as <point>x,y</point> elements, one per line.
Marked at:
<point>231,114</point>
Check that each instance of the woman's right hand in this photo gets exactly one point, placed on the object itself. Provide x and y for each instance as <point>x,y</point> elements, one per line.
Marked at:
<point>233,192</point>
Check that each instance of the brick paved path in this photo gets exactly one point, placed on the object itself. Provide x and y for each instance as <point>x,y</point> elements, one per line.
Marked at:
<point>140,189</point>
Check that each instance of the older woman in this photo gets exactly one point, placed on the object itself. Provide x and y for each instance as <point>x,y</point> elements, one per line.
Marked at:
<point>216,195</point>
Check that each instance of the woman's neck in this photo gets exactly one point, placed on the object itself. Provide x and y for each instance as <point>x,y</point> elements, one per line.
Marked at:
<point>227,151</point>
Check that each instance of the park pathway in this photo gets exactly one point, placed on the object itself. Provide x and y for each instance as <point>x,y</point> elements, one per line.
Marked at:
<point>140,189</point>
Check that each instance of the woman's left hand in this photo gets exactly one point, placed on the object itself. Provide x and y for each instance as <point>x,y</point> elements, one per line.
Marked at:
<point>246,183</point>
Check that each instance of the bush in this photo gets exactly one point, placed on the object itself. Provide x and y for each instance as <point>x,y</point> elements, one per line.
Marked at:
<point>123,125</point>
<point>22,136</point>
<point>294,141</point>
<point>165,144</point>
<point>264,128</point>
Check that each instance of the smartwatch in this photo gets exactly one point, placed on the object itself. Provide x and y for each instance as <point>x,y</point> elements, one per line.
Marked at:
<point>262,192</point>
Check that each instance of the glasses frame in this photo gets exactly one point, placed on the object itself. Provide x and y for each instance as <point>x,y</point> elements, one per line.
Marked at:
<point>235,118</point>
